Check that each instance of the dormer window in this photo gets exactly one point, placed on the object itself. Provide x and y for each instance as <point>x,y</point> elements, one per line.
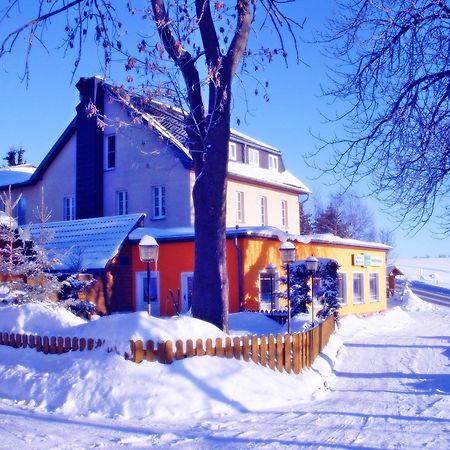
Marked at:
<point>232,151</point>
<point>273,162</point>
<point>253,157</point>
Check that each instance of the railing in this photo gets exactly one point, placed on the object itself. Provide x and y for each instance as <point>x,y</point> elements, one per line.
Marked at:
<point>289,352</point>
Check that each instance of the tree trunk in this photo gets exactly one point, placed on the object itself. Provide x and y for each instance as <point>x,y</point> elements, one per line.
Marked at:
<point>210,290</point>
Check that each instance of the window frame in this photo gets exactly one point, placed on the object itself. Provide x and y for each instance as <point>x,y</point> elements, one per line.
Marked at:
<point>273,162</point>
<point>263,210</point>
<point>265,276</point>
<point>239,206</point>
<point>232,151</point>
<point>253,156</point>
<point>159,195</point>
<point>69,208</point>
<point>342,281</point>
<point>284,214</point>
<point>361,278</point>
<point>122,203</point>
<point>107,153</point>
<point>377,286</point>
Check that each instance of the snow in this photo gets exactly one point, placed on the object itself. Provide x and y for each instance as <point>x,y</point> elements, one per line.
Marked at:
<point>16,174</point>
<point>382,382</point>
<point>284,178</point>
<point>432,271</point>
<point>89,243</point>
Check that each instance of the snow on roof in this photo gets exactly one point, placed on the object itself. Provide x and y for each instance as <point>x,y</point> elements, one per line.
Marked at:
<point>239,134</point>
<point>329,238</point>
<point>16,174</point>
<point>89,243</point>
<point>284,179</point>
<point>187,233</point>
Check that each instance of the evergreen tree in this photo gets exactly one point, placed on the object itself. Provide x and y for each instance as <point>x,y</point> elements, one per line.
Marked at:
<point>331,221</point>
<point>328,293</point>
<point>305,221</point>
<point>300,298</point>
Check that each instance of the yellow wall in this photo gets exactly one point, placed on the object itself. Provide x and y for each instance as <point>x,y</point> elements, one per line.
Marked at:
<point>257,253</point>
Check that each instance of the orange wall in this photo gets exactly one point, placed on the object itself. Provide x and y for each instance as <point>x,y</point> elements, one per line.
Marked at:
<point>175,258</point>
<point>257,253</point>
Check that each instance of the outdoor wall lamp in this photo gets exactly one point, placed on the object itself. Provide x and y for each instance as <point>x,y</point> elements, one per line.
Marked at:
<point>288,255</point>
<point>148,252</point>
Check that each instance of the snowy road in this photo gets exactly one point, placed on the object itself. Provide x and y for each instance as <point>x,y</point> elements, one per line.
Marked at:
<point>390,389</point>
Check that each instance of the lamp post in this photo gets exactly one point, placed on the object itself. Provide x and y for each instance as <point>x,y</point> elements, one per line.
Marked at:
<point>288,254</point>
<point>270,269</point>
<point>311,265</point>
<point>148,252</point>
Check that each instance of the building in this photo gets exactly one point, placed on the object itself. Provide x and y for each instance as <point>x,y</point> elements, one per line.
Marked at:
<point>135,160</point>
<point>110,181</point>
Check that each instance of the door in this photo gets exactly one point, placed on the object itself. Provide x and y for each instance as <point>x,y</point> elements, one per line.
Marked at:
<point>141,291</point>
<point>187,279</point>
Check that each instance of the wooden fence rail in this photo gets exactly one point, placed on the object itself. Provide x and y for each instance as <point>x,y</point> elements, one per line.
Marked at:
<point>49,344</point>
<point>289,352</point>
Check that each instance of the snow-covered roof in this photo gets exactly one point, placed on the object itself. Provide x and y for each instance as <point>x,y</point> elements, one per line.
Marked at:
<point>255,173</point>
<point>329,238</point>
<point>16,174</point>
<point>187,233</point>
<point>89,243</point>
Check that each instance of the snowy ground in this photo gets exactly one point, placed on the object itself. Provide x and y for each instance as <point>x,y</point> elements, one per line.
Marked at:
<point>383,382</point>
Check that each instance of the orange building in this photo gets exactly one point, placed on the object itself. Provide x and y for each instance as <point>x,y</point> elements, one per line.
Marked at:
<point>362,283</point>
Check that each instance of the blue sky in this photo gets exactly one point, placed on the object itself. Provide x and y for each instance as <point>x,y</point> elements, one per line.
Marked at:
<point>34,117</point>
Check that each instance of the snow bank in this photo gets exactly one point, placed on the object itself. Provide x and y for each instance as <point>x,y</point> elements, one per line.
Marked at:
<point>101,384</point>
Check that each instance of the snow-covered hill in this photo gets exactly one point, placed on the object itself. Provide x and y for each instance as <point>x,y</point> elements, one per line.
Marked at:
<point>433,271</point>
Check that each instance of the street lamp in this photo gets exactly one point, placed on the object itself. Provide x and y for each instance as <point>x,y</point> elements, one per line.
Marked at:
<point>270,269</point>
<point>288,255</point>
<point>148,252</point>
<point>311,265</point>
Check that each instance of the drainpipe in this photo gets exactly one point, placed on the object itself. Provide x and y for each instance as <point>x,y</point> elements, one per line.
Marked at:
<point>240,273</point>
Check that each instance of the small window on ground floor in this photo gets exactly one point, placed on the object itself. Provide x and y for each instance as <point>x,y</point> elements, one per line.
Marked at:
<point>374,287</point>
<point>358,288</point>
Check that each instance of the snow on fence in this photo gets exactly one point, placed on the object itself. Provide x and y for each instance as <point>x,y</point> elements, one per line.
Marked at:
<point>289,352</point>
<point>52,344</point>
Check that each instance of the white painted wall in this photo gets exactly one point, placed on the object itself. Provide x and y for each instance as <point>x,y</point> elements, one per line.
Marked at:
<point>144,160</point>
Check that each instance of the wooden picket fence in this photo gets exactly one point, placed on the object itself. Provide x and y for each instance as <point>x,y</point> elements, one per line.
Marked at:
<point>289,352</point>
<point>49,344</point>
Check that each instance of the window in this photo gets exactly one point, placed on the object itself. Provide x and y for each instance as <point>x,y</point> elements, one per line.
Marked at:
<point>284,213</point>
<point>342,288</point>
<point>232,151</point>
<point>263,210</point>
<point>253,157</point>
<point>273,162</point>
<point>122,203</point>
<point>358,288</point>
<point>110,152</point>
<point>239,206</point>
<point>69,208</point>
<point>159,202</point>
<point>374,287</point>
<point>268,285</point>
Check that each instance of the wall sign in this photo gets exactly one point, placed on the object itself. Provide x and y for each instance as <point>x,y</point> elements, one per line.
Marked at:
<point>367,260</point>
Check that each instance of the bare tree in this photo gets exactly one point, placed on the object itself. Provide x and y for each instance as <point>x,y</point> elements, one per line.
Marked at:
<point>190,52</point>
<point>392,83</point>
